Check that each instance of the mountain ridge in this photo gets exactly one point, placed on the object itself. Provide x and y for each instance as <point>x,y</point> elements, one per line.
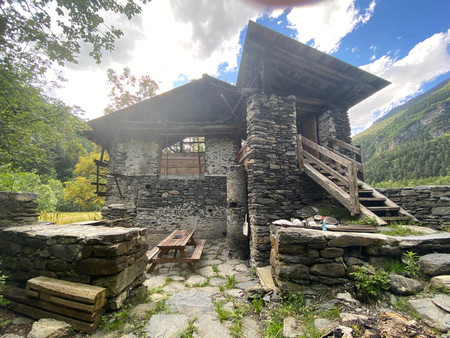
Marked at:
<point>410,144</point>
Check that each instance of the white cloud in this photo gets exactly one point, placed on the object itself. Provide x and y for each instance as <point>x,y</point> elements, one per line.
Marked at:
<point>168,41</point>
<point>424,63</point>
<point>325,23</point>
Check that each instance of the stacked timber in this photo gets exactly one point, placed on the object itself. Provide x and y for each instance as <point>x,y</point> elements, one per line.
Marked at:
<point>80,305</point>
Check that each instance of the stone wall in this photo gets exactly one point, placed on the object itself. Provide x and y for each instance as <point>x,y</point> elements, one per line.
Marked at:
<point>429,204</point>
<point>18,208</point>
<point>165,204</point>
<point>220,153</point>
<point>273,179</point>
<point>113,258</point>
<point>305,256</point>
<point>335,123</point>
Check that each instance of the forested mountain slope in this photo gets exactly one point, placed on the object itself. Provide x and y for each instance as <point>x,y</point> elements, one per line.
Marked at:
<point>412,145</point>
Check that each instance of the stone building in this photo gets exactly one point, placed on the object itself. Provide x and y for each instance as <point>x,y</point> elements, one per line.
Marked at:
<point>217,157</point>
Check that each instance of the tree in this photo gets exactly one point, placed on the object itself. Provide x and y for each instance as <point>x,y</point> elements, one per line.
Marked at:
<point>38,131</point>
<point>56,29</point>
<point>79,191</point>
<point>127,90</point>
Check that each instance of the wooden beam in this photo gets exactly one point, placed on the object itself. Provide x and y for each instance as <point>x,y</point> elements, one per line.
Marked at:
<point>338,158</point>
<point>345,145</point>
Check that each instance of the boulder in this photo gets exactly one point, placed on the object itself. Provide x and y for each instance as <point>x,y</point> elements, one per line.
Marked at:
<point>401,285</point>
<point>431,314</point>
<point>50,328</point>
<point>435,264</point>
<point>441,282</point>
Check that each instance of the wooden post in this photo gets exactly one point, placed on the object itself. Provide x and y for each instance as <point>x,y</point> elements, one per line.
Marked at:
<point>359,159</point>
<point>353,189</point>
<point>300,153</point>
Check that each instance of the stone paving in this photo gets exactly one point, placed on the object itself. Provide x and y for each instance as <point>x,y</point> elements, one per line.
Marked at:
<point>191,297</point>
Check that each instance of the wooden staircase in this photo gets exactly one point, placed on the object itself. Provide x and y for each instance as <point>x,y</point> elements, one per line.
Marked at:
<point>342,176</point>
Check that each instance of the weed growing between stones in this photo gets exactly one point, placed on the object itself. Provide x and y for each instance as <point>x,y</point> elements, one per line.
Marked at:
<point>231,281</point>
<point>332,313</point>
<point>292,305</point>
<point>370,282</point>
<point>402,305</point>
<point>115,321</point>
<point>399,229</point>
<point>202,285</point>
<point>411,259</point>
<point>190,330</point>
<point>395,266</point>
<point>3,301</point>
<point>215,269</point>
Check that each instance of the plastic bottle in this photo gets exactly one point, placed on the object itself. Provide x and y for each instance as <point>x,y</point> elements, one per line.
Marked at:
<point>324,226</point>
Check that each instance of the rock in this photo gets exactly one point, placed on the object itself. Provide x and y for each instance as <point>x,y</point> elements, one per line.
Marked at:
<point>23,320</point>
<point>49,328</point>
<point>141,310</point>
<point>246,285</point>
<point>155,281</point>
<point>196,280</point>
<point>435,264</point>
<point>209,326</point>
<point>426,243</point>
<point>291,327</point>
<point>443,301</point>
<point>329,270</point>
<point>331,252</point>
<point>324,324</point>
<point>190,302</point>
<point>352,318</point>
<point>347,298</point>
<point>401,285</point>
<point>391,324</point>
<point>431,314</point>
<point>250,327</point>
<point>235,293</point>
<point>441,282</point>
<point>167,326</point>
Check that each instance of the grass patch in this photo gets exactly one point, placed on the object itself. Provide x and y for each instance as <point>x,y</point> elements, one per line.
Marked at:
<point>401,230</point>
<point>69,217</point>
<point>395,266</point>
<point>402,305</point>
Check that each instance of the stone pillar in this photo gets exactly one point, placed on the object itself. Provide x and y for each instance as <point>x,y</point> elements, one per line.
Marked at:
<point>237,242</point>
<point>273,178</point>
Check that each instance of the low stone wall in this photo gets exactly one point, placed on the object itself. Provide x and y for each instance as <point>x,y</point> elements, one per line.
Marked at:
<point>305,256</point>
<point>113,258</point>
<point>429,204</point>
<point>18,208</point>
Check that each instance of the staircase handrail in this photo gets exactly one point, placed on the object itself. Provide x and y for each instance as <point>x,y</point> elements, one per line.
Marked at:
<point>356,150</point>
<point>350,165</point>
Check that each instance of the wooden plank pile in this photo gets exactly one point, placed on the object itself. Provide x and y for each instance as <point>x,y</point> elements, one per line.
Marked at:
<point>80,305</point>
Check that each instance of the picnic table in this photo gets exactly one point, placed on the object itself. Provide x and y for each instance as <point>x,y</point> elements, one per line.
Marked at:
<point>173,244</point>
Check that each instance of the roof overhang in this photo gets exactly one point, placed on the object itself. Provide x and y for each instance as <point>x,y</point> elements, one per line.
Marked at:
<point>199,108</point>
<point>277,64</point>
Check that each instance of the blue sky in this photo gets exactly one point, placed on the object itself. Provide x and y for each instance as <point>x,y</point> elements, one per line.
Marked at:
<point>174,41</point>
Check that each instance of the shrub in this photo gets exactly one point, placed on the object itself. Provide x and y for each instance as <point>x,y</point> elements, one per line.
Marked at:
<point>370,282</point>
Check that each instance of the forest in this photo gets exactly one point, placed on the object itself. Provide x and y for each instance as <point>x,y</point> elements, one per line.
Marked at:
<point>410,146</point>
<point>42,148</point>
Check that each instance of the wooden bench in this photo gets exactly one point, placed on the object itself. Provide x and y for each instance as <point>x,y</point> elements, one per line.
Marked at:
<point>80,305</point>
<point>176,242</point>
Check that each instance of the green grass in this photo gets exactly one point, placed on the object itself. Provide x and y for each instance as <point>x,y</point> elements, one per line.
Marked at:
<point>70,217</point>
<point>401,230</point>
